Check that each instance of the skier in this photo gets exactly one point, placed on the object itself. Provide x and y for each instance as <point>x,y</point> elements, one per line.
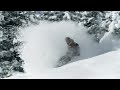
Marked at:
<point>73,50</point>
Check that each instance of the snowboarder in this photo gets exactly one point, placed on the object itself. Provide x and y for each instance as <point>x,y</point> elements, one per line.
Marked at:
<point>73,50</point>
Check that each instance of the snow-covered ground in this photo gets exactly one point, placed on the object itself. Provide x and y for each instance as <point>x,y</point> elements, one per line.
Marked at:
<point>45,44</point>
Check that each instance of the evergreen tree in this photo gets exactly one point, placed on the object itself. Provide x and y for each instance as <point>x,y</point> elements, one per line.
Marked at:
<point>9,50</point>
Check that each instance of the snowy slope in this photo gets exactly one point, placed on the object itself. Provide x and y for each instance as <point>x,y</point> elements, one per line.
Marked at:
<point>45,44</point>
<point>103,66</point>
<point>100,67</point>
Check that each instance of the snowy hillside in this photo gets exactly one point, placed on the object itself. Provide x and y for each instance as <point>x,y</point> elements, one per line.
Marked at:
<point>45,44</point>
<point>106,66</point>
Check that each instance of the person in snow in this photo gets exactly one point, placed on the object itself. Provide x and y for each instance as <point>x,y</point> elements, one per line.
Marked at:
<point>73,50</point>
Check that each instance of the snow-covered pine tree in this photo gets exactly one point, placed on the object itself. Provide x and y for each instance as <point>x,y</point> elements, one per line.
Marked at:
<point>93,21</point>
<point>116,20</point>
<point>10,21</point>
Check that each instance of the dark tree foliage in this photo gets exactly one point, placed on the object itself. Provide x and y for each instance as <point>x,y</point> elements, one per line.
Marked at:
<point>9,25</point>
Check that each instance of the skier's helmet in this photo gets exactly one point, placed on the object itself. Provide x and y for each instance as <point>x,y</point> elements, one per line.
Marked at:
<point>69,40</point>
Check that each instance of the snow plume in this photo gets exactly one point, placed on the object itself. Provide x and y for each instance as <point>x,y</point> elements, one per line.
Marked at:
<point>45,43</point>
